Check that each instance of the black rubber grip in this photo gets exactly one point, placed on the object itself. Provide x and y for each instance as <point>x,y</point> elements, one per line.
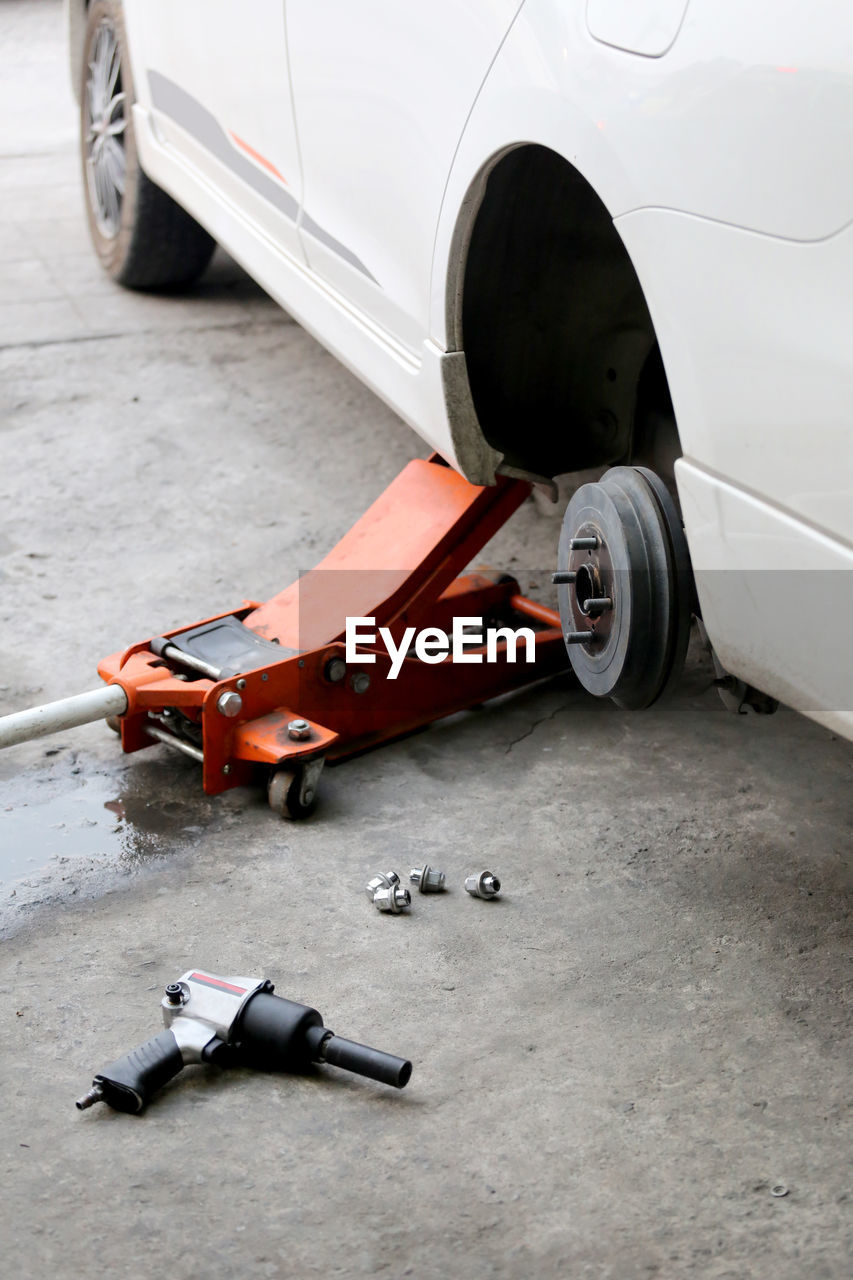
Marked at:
<point>130,1082</point>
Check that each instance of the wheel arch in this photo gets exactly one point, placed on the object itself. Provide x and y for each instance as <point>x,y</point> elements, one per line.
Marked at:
<point>541,295</point>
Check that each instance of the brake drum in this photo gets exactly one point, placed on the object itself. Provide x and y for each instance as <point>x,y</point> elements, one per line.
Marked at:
<point>624,587</point>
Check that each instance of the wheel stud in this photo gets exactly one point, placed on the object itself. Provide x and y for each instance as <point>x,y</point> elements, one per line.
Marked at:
<point>598,604</point>
<point>583,544</point>
<point>580,637</point>
<point>563,577</point>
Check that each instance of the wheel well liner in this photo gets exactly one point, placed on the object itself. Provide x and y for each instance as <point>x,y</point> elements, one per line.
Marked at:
<point>554,324</point>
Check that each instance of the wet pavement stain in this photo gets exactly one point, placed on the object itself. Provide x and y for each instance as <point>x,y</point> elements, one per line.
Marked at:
<point>64,813</point>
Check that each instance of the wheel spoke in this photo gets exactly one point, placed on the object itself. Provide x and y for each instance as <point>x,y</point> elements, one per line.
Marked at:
<point>114,104</point>
<point>112,205</point>
<point>99,69</point>
<point>115,164</point>
<point>115,68</point>
<point>91,110</point>
<point>98,185</point>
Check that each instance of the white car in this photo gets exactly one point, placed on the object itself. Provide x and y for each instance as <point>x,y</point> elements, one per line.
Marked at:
<point>553,235</point>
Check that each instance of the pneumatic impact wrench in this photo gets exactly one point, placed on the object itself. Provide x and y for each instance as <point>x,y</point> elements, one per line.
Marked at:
<point>233,1022</point>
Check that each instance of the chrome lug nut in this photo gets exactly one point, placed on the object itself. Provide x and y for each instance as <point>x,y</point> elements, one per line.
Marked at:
<point>385,880</point>
<point>229,704</point>
<point>485,885</point>
<point>427,879</point>
<point>395,899</point>
<point>298,730</point>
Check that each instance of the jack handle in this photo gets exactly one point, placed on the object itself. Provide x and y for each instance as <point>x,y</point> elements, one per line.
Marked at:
<point>67,713</point>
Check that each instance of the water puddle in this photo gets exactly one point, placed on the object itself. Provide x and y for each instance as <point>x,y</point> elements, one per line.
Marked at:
<point>60,816</point>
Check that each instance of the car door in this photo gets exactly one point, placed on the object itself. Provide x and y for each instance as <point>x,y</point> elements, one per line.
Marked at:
<point>214,74</point>
<point>382,91</point>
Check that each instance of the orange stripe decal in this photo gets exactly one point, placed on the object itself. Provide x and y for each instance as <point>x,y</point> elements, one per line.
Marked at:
<point>256,155</point>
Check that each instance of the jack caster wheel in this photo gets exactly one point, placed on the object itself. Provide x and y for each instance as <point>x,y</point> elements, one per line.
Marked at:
<point>292,793</point>
<point>624,587</point>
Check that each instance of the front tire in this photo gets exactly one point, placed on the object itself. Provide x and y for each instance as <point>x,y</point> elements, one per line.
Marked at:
<point>143,239</point>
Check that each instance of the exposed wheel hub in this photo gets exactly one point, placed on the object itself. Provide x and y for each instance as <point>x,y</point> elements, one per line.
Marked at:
<point>623,585</point>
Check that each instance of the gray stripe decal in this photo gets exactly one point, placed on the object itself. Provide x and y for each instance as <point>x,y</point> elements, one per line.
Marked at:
<point>187,111</point>
<point>309,225</point>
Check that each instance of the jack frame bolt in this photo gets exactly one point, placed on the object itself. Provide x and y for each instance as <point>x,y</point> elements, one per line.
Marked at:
<point>384,880</point>
<point>336,670</point>
<point>360,682</point>
<point>484,885</point>
<point>395,899</point>
<point>229,704</point>
<point>298,730</point>
<point>427,879</point>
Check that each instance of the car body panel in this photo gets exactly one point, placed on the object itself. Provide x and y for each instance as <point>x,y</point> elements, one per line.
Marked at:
<point>648,28</point>
<point>222,97</point>
<point>382,93</point>
<point>776,596</point>
<point>755,336</point>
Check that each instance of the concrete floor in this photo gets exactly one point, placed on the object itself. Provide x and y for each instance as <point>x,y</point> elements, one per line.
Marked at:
<point>613,1064</point>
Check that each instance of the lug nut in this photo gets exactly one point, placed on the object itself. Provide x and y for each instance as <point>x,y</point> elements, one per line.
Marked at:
<point>485,885</point>
<point>229,704</point>
<point>384,880</point>
<point>395,899</point>
<point>427,879</point>
<point>298,730</point>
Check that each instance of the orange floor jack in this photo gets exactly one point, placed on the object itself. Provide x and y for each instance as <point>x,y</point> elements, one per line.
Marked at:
<point>267,689</point>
